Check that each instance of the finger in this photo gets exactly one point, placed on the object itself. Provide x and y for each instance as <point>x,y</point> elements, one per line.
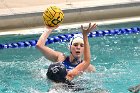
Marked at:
<point>57,26</point>
<point>94,26</point>
<point>82,27</point>
<point>45,23</point>
<point>89,26</point>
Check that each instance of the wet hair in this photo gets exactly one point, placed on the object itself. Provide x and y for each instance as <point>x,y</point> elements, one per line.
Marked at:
<point>57,72</point>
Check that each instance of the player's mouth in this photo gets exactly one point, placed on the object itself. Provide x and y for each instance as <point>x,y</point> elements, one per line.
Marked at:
<point>77,52</point>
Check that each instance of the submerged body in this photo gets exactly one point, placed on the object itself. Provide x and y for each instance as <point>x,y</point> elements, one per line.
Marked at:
<point>68,67</point>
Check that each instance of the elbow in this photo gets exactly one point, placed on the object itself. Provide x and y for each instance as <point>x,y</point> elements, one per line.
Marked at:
<point>38,45</point>
<point>91,68</point>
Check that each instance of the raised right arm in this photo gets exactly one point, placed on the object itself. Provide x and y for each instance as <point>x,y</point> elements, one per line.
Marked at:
<point>49,53</point>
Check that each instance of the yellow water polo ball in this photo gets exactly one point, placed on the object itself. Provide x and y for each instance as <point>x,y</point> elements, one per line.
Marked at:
<point>53,16</point>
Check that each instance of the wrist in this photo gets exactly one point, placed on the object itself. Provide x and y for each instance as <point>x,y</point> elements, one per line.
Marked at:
<point>85,36</point>
<point>48,31</point>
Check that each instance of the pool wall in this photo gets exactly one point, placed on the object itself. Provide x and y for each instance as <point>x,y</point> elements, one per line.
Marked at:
<point>19,18</point>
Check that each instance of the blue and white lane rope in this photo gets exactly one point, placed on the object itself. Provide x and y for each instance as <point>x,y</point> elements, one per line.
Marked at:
<point>66,37</point>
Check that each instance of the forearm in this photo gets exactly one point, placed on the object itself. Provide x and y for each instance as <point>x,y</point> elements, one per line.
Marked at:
<point>49,53</point>
<point>87,56</point>
<point>43,38</point>
<point>86,49</point>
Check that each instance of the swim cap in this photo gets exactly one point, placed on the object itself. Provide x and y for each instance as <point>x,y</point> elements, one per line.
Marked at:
<point>57,72</point>
<point>77,38</point>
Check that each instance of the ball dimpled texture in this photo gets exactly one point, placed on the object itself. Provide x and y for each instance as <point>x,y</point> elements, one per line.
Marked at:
<point>53,16</point>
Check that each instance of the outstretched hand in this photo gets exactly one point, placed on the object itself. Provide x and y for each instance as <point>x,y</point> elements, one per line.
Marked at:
<point>89,28</point>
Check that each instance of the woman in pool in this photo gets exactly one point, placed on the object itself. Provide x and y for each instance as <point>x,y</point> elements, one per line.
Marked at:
<point>78,46</point>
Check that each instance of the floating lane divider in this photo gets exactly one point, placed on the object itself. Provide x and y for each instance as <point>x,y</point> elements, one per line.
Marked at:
<point>66,37</point>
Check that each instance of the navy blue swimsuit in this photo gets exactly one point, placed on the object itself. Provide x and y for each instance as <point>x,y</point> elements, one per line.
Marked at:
<point>68,64</point>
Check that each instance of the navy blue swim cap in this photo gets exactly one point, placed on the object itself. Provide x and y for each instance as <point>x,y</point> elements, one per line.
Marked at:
<point>57,72</point>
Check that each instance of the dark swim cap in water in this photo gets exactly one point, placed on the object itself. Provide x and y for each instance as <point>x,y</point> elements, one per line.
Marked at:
<point>57,72</point>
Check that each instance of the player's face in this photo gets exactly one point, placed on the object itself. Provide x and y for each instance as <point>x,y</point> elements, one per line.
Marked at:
<point>77,49</point>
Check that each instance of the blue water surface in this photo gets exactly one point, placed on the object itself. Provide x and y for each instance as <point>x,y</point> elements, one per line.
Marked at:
<point>116,58</point>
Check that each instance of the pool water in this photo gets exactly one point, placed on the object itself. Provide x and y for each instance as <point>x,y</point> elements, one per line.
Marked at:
<point>116,58</point>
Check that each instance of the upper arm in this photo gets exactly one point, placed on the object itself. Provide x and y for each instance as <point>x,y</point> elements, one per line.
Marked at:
<point>50,54</point>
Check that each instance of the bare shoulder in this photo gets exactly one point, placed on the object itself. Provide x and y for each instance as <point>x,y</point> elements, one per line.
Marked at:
<point>91,68</point>
<point>61,57</point>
